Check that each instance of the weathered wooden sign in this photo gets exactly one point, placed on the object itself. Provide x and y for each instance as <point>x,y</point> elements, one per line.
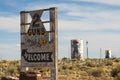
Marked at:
<point>38,44</point>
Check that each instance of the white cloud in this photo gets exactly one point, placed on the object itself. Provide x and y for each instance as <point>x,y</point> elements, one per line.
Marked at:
<point>87,25</point>
<point>111,2</point>
<point>85,17</point>
<point>92,20</point>
<point>18,45</point>
<point>10,23</point>
<point>9,46</point>
<point>9,51</point>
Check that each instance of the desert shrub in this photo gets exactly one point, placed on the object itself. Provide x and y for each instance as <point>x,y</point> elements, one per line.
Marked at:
<point>96,72</point>
<point>84,68</point>
<point>4,61</point>
<point>109,63</point>
<point>117,60</point>
<point>64,67</point>
<point>118,76</point>
<point>90,64</point>
<point>59,70</point>
<point>115,71</point>
<point>70,68</point>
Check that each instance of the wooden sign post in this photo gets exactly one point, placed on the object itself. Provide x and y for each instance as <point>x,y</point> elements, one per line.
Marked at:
<point>39,46</point>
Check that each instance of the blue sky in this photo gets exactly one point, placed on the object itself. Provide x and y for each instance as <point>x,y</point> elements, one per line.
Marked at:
<point>95,21</point>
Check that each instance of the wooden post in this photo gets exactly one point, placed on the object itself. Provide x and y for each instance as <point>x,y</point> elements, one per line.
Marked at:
<point>24,29</point>
<point>54,28</point>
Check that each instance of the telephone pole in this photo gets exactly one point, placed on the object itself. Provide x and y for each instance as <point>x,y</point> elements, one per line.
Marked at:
<point>87,48</point>
<point>100,53</point>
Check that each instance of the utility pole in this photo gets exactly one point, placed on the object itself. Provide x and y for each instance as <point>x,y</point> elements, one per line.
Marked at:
<point>87,48</point>
<point>100,53</point>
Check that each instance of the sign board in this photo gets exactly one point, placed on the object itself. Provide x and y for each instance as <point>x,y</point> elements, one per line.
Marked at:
<point>37,57</point>
<point>39,45</point>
